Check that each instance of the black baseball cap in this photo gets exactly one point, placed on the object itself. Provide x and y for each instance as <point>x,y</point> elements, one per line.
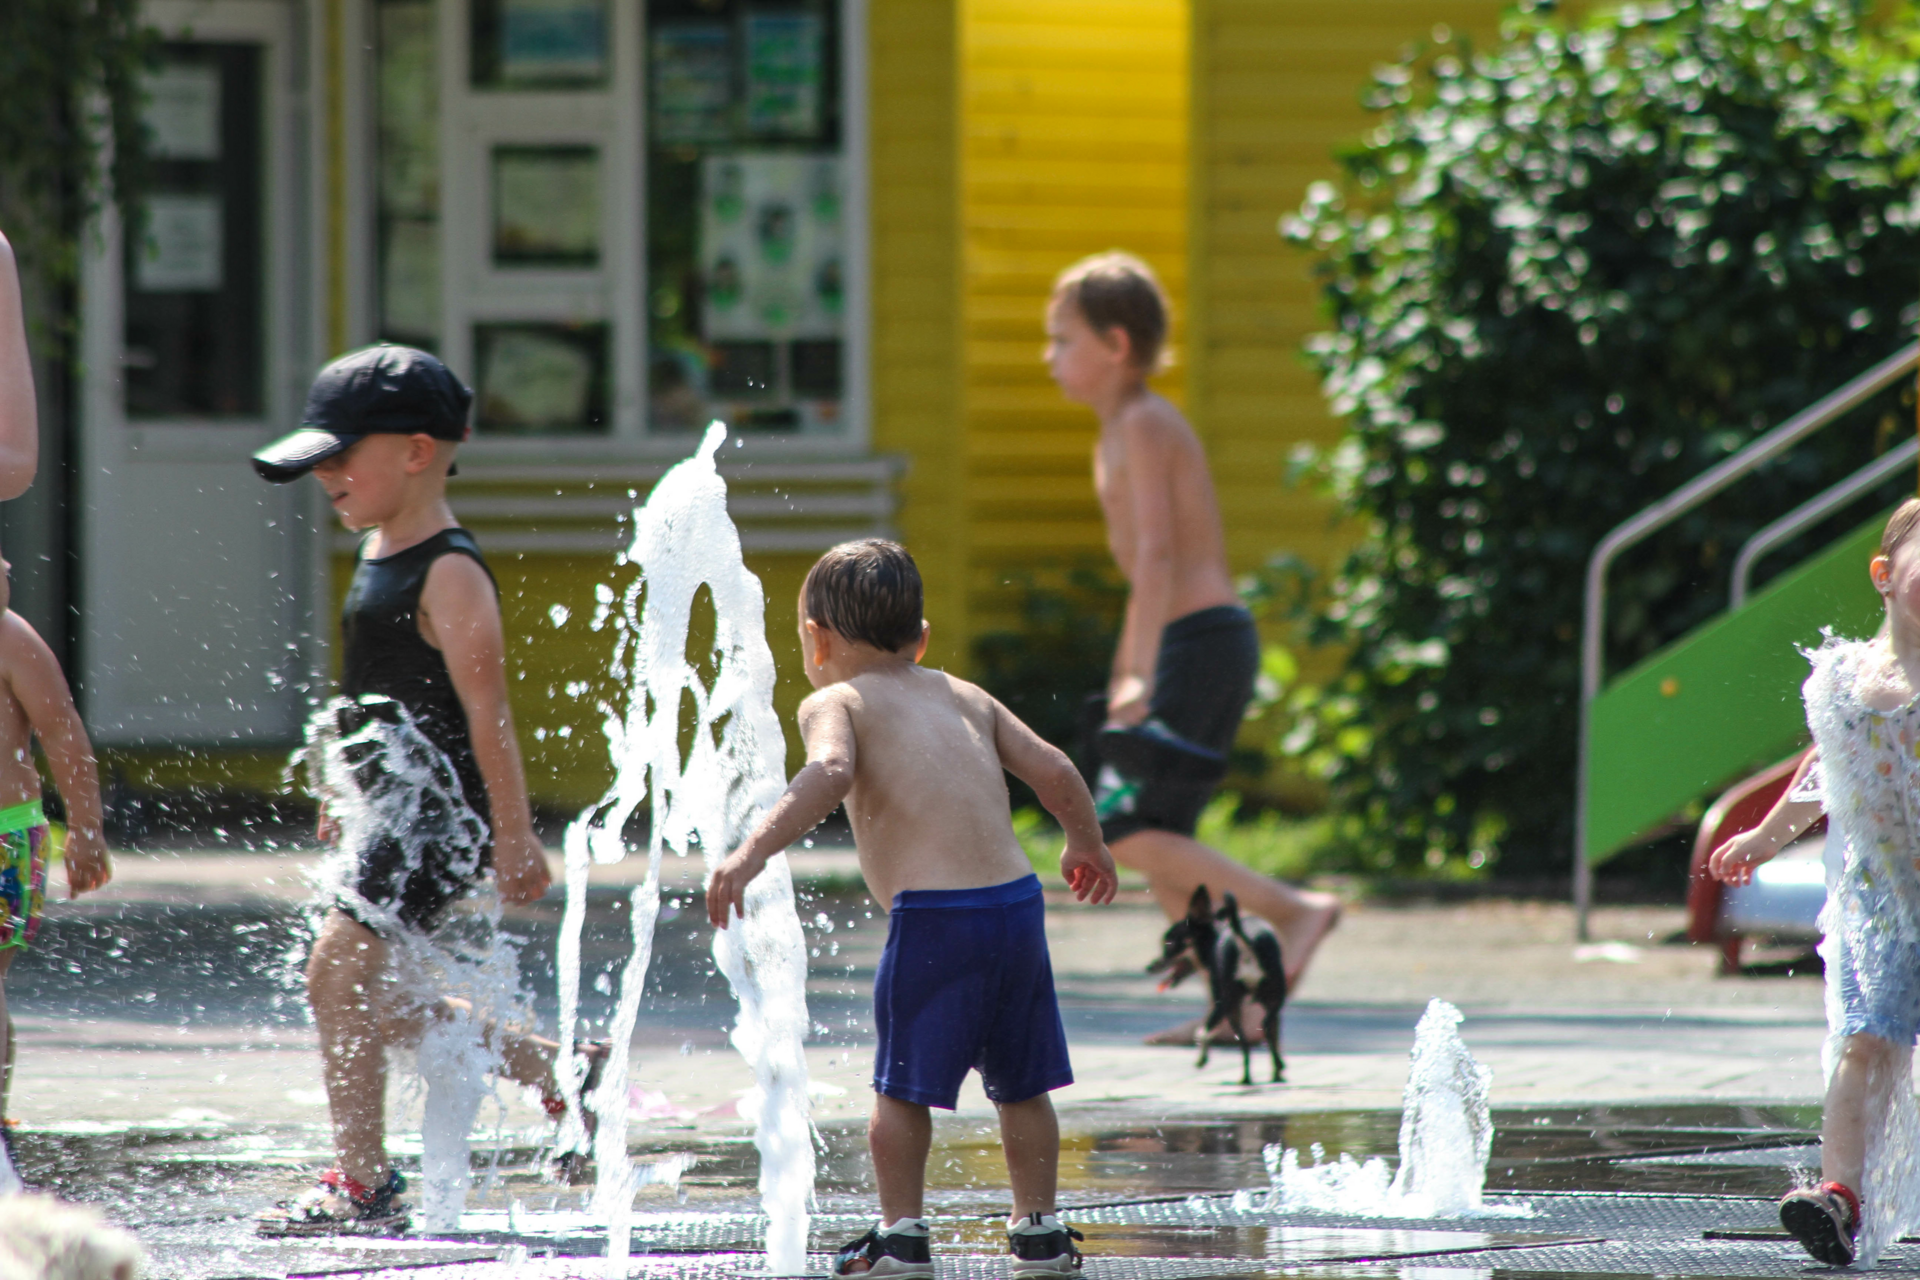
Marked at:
<point>387,388</point>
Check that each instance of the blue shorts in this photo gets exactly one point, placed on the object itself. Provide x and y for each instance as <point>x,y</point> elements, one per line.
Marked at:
<point>965,984</point>
<point>1876,977</point>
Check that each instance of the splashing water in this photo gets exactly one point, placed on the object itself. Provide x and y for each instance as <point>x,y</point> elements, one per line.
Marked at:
<point>383,781</point>
<point>1446,1137</point>
<point>733,770</point>
<point>11,1184</point>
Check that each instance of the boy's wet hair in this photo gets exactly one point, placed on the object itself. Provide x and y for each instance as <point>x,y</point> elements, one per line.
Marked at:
<point>1118,291</point>
<point>868,591</point>
<point>1900,526</point>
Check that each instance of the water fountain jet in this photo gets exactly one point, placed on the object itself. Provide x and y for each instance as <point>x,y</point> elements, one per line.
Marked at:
<point>707,798</point>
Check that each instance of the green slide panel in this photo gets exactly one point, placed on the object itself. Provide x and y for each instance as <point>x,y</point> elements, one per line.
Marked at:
<point>1723,701</point>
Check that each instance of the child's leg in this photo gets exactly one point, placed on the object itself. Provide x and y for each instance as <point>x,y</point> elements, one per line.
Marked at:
<point>1031,1136</point>
<point>524,1058</point>
<point>900,1135</point>
<point>1856,1107</point>
<point>347,986</point>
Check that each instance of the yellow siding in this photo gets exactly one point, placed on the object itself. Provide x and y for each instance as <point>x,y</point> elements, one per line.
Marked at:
<point>1074,141</point>
<point>914,131</point>
<point>1276,87</point>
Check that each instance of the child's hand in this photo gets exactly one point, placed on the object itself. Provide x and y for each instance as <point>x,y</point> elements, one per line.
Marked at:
<point>86,857</point>
<point>1090,874</point>
<point>727,891</point>
<point>1734,861</point>
<point>1127,701</point>
<point>520,867</point>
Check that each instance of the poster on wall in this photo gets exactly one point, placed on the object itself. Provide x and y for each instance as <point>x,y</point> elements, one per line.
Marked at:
<point>184,246</point>
<point>182,111</point>
<point>692,82</point>
<point>553,39</point>
<point>770,252</point>
<point>784,73</point>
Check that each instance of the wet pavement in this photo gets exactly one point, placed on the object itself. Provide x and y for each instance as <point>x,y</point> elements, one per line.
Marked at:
<point>1648,1111</point>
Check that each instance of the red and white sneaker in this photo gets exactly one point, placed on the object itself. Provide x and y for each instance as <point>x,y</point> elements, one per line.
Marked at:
<point>1825,1220</point>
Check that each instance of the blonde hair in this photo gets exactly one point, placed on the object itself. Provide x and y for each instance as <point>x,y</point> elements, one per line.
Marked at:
<point>1900,526</point>
<point>45,1239</point>
<point>1116,290</point>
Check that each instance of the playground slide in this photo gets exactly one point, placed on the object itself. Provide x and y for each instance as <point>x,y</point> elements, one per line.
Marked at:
<point>1722,702</point>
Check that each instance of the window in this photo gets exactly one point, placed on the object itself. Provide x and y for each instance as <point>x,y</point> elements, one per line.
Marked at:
<point>744,216</point>
<point>194,284</point>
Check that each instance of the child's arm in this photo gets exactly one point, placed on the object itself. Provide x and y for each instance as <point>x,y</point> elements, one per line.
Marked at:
<point>1150,581</point>
<point>19,423</point>
<point>34,674</point>
<point>814,793</point>
<point>461,615</point>
<point>1085,863</point>
<point>1734,861</point>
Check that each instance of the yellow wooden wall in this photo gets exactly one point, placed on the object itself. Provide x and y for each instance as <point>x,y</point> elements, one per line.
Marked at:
<point>914,130</point>
<point>1276,89</point>
<point>1074,140</point>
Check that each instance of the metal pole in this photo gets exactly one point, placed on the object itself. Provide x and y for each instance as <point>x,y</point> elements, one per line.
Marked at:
<point>1655,517</point>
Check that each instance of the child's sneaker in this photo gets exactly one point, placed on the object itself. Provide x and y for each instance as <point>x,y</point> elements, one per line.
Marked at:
<point>902,1251</point>
<point>1043,1246</point>
<point>569,1168</point>
<point>1824,1219</point>
<point>340,1206</point>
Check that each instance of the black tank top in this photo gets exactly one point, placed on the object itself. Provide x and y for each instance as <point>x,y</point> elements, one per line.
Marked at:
<point>387,655</point>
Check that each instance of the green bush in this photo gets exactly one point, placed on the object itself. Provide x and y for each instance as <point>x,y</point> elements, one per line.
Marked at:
<point>1565,275</point>
<point>70,71</point>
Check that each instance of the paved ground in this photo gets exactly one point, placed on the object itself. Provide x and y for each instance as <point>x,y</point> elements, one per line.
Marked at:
<point>166,1070</point>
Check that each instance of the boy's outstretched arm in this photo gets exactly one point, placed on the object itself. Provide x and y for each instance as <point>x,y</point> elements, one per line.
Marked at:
<point>1734,861</point>
<point>19,420</point>
<point>35,676</point>
<point>460,614</point>
<point>814,793</point>
<point>1085,862</point>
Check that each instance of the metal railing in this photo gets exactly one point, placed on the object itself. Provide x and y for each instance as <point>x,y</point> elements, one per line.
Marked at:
<point>1659,515</point>
<point>1814,510</point>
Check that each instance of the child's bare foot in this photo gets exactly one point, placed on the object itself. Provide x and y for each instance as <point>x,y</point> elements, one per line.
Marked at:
<point>1303,933</point>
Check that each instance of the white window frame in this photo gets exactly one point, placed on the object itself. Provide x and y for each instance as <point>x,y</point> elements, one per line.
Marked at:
<point>463,162</point>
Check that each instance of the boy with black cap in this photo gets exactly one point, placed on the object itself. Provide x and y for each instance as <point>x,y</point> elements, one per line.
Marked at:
<point>421,626</point>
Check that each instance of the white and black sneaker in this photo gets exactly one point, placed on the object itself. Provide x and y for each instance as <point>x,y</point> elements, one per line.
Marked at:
<point>903,1251</point>
<point>1043,1246</point>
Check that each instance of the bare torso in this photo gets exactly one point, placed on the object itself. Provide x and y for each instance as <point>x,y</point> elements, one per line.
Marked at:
<point>929,798</point>
<point>19,779</point>
<point>1178,465</point>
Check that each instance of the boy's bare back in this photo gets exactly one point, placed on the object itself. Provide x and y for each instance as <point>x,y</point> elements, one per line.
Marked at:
<point>1151,474</point>
<point>929,797</point>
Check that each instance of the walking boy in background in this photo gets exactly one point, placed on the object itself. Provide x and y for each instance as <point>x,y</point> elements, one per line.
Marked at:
<point>964,982</point>
<point>1184,668</point>
<point>421,627</point>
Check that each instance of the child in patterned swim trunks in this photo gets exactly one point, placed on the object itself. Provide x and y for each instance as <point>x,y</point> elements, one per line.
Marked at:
<point>34,700</point>
<point>1863,707</point>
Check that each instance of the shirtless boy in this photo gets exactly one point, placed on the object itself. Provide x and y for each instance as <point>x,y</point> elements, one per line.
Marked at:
<point>964,982</point>
<point>421,629</point>
<point>34,700</point>
<point>1184,668</point>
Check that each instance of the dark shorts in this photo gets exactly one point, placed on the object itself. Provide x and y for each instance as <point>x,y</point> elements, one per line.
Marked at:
<point>1202,684</point>
<point>417,890</point>
<point>413,875</point>
<point>965,984</point>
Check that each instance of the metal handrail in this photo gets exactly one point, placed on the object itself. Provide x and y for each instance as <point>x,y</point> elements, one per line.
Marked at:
<point>1657,516</point>
<point>1812,511</point>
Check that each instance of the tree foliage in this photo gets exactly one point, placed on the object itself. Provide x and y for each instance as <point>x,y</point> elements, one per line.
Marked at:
<point>69,97</point>
<point>1565,275</point>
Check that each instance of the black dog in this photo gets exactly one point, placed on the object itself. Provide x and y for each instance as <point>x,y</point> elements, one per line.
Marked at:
<point>1241,959</point>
